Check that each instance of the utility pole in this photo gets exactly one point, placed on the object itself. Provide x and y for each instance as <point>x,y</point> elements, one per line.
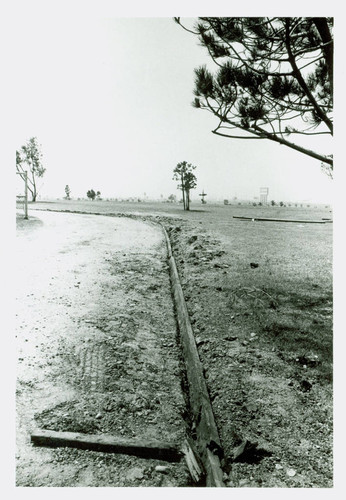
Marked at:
<point>24,176</point>
<point>26,194</point>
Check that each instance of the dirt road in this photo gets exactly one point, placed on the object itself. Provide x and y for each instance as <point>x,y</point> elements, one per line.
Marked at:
<point>97,348</point>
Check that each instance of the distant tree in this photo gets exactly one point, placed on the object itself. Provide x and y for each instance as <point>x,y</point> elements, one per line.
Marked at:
<point>91,194</point>
<point>273,203</point>
<point>281,204</point>
<point>29,158</point>
<point>67,192</point>
<point>183,172</point>
<point>172,198</point>
<point>98,195</point>
<point>274,79</point>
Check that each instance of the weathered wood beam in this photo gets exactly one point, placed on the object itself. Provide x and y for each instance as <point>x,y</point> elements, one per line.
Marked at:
<point>110,444</point>
<point>193,462</point>
<point>279,220</point>
<point>208,441</point>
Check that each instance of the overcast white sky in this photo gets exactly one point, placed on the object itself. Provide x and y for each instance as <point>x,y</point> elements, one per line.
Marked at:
<point>109,98</point>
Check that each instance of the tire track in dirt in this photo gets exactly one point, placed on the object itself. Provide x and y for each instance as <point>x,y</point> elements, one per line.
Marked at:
<point>90,368</point>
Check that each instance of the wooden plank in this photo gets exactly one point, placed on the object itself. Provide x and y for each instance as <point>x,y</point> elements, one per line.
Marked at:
<point>214,471</point>
<point>208,441</point>
<point>146,449</point>
<point>199,397</point>
<point>279,220</point>
<point>193,462</point>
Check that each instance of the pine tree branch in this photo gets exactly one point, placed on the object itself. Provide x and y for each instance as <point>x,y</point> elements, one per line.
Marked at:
<point>302,82</point>
<point>215,131</point>
<point>291,145</point>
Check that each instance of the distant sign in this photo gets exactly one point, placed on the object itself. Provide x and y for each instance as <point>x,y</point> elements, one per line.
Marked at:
<point>264,191</point>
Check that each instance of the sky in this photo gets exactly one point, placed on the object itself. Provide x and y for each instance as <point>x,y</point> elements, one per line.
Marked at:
<point>109,99</point>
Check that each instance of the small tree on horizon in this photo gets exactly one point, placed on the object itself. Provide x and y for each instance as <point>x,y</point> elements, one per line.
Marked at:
<point>183,172</point>
<point>31,155</point>
<point>67,192</point>
<point>91,194</point>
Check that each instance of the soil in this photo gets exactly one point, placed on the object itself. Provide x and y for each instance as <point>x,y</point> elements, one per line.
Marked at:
<point>269,383</point>
<point>97,349</point>
<point>272,403</point>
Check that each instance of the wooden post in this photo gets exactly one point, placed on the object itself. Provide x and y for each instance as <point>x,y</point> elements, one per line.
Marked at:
<point>26,195</point>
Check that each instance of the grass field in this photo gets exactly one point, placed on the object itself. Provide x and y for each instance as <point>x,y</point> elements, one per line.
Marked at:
<point>223,211</point>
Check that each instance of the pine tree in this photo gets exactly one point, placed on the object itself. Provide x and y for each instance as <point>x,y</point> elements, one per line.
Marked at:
<point>274,78</point>
<point>183,172</point>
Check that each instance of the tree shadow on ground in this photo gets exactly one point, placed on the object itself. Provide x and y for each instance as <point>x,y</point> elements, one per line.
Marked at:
<point>30,223</point>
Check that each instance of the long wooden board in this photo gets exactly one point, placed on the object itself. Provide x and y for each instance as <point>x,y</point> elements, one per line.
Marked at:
<point>280,220</point>
<point>208,441</point>
<point>146,449</point>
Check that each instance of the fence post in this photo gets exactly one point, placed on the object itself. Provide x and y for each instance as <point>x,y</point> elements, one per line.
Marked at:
<point>26,195</point>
